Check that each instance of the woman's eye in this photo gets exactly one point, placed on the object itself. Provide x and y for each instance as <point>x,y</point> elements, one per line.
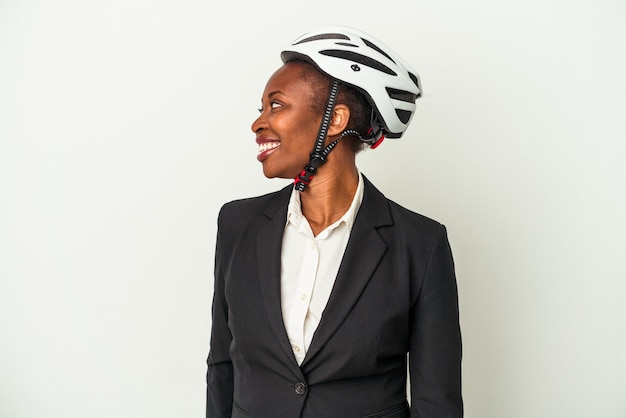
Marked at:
<point>273,105</point>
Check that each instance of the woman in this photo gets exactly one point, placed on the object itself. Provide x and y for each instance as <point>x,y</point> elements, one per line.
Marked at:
<point>322,289</point>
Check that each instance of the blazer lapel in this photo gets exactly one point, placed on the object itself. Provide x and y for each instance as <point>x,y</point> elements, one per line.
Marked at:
<point>268,246</point>
<point>364,251</point>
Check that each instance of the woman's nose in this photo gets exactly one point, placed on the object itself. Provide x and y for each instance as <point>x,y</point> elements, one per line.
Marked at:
<point>259,123</point>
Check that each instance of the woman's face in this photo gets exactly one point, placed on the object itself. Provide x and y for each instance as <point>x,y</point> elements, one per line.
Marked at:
<point>287,127</point>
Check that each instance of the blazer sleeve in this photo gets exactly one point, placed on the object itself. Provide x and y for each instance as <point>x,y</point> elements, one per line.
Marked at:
<point>435,343</point>
<point>219,378</point>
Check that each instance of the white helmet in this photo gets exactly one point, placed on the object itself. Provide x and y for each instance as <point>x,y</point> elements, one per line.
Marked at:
<point>390,85</point>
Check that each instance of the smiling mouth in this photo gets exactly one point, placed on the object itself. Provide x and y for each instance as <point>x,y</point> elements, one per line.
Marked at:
<point>266,148</point>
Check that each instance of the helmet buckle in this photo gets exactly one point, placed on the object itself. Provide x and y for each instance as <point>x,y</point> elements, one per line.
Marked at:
<point>317,159</point>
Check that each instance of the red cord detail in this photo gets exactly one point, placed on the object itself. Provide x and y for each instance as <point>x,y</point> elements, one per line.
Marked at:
<point>377,143</point>
<point>301,178</point>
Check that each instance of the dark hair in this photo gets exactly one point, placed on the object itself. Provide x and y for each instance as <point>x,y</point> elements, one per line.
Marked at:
<point>360,109</point>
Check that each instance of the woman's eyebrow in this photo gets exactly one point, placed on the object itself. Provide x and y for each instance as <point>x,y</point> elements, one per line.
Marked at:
<point>274,93</point>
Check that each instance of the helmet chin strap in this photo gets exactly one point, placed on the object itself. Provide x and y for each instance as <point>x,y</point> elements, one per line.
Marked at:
<point>319,154</point>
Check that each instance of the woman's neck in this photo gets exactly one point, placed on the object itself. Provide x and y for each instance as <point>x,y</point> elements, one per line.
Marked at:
<point>329,196</point>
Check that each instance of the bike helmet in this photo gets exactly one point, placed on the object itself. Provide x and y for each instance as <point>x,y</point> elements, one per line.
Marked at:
<point>390,85</point>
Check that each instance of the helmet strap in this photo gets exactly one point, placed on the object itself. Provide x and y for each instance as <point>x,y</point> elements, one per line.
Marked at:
<point>320,153</point>
<point>375,133</point>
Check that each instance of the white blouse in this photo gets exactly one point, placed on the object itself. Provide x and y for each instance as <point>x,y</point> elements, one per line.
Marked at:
<point>309,266</point>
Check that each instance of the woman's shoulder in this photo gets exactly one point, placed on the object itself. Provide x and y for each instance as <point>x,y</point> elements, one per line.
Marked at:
<point>240,210</point>
<point>404,214</point>
<point>398,214</point>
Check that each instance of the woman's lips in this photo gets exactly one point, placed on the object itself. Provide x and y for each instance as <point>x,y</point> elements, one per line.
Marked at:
<point>266,148</point>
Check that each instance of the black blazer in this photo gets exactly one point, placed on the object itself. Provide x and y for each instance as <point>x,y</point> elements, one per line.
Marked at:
<point>395,293</point>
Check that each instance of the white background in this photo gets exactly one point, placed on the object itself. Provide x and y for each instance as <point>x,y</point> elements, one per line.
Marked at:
<point>124,126</point>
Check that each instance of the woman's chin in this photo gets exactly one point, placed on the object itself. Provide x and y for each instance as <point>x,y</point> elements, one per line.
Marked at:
<point>270,174</point>
<point>274,173</point>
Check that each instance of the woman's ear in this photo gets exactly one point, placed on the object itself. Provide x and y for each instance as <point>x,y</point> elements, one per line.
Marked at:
<point>339,123</point>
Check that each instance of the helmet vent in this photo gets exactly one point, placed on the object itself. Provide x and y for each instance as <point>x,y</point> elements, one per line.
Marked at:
<point>405,96</point>
<point>415,80</point>
<point>324,36</point>
<point>380,51</point>
<point>346,44</point>
<point>404,115</point>
<point>361,59</point>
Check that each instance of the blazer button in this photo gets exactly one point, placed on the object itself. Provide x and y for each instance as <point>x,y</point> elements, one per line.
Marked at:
<point>300,388</point>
